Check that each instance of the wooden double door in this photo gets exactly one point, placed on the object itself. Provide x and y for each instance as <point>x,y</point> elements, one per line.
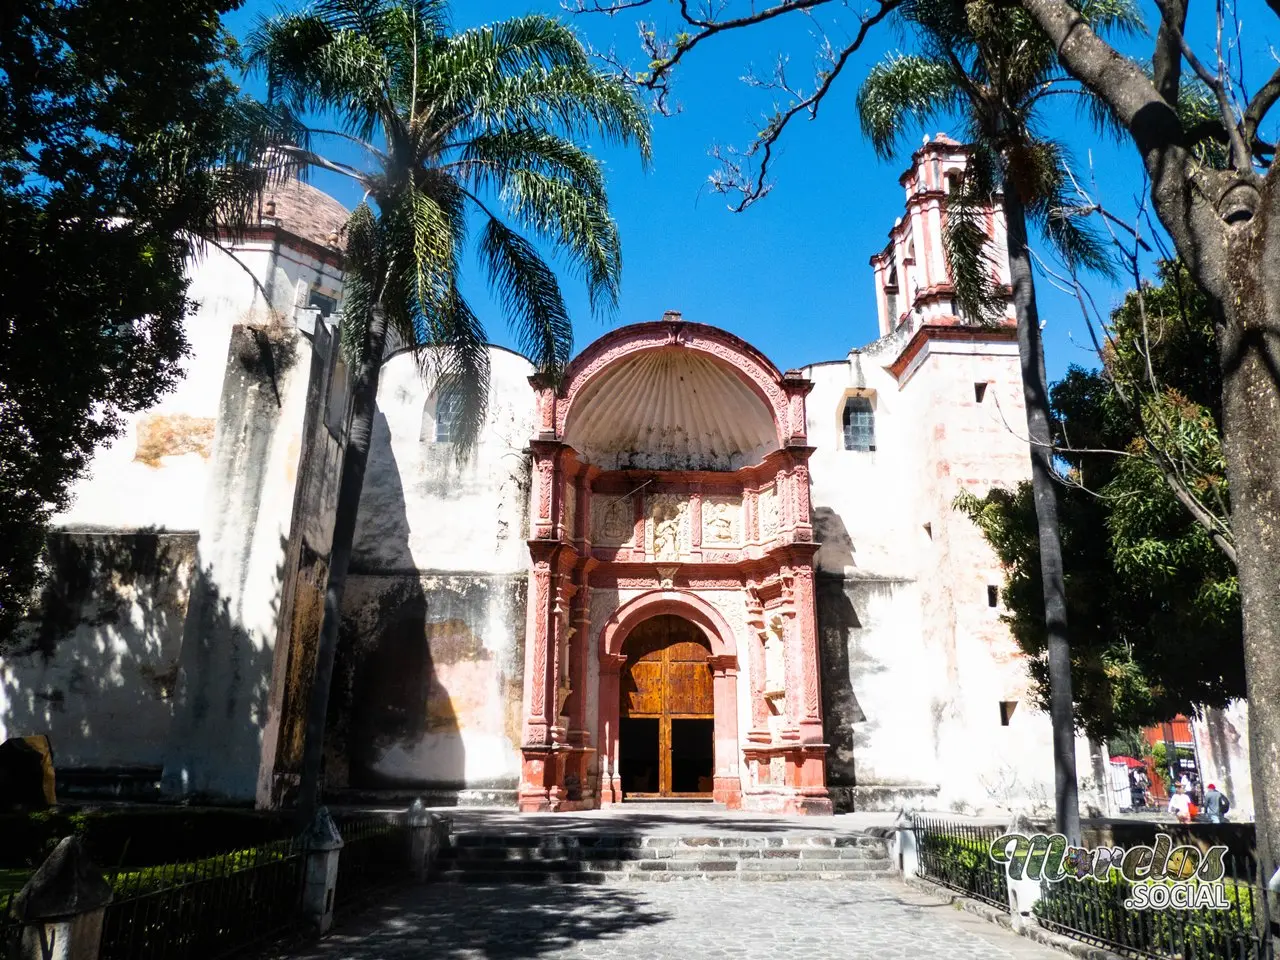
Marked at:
<point>666,733</point>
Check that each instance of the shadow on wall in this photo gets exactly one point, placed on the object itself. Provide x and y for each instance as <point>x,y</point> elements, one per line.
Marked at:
<point>387,702</point>
<point>847,729</point>
<point>96,666</point>
<point>221,700</point>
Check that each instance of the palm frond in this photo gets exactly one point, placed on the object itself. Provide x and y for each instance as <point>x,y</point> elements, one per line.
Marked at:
<point>577,224</point>
<point>905,89</point>
<point>1053,204</point>
<point>575,103</point>
<point>462,361</point>
<point>530,295</point>
<point>972,268</point>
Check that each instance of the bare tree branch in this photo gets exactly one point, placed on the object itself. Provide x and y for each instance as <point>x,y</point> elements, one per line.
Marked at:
<point>742,171</point>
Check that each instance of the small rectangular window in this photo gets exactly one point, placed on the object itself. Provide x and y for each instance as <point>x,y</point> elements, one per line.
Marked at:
<point>1006,711</point>
<point>448,413</point>
<point>979,391</point>
<point>859,425</point>
<point>993,595</point>
<point>327,306</point>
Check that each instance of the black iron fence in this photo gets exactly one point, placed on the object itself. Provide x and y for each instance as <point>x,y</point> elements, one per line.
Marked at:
<point>1095,911</point>
<point>958,855</point>
<point>375,855</point>
<point>207,908</point>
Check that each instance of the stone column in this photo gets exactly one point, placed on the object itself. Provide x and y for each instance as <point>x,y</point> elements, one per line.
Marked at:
<point>610,693</point>
<point>726,781</point>
<point>324,844</point>
<point>60,908</point>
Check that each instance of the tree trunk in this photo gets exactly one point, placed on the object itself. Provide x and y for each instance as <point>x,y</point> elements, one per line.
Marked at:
<point>354,461</point>
<point>1251,443</point>
<point>1035,390</point>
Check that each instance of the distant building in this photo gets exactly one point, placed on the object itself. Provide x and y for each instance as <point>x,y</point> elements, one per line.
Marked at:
<point>682,572</point>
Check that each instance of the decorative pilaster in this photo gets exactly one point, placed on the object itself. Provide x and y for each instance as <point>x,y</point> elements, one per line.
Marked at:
<point>611,665</point>
<point>806,629</point>
<point>759,732</point>
<point>726,780</point>
<point>536,749</point>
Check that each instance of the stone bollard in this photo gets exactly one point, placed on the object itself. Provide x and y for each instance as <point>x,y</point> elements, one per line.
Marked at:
<point>904,845</point>
<point>1024,894</point>
<point>323,843</point>
<point>61,907</point>
<point>428,833</point>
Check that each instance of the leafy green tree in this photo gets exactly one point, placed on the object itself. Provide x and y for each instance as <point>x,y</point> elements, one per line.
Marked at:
<point>1222,218</point>
<point>1153,601</point>
<point>481,129</point>
<point>121,139</point>
<point>990,68</point>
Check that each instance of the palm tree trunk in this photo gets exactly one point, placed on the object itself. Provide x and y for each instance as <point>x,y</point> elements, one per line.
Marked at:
<point>1035,390</point>
<point>355,459</point>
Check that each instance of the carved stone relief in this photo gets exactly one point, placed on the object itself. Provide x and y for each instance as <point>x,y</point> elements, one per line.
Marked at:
<point>667,533</point>
<point>613,520</point>
<point>768,513</point>
<point>571,511</point>
<point>721,522</point>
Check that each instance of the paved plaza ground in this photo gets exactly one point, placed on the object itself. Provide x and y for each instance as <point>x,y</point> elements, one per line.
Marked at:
<point>689,920</point>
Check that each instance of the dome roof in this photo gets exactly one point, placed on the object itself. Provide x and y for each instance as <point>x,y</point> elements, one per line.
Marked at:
<point>671,408</point>
<point>304,211</point>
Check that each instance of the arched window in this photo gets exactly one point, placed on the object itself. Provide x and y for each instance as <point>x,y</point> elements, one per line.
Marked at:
<point>448,412</point>
<point>859,425</point>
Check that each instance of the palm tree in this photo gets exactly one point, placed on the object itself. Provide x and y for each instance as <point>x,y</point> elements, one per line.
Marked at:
<point>480,129</point>
<point>989,67</point>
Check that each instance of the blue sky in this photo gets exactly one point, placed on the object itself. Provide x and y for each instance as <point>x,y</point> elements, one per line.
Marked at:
<point>790,274</point>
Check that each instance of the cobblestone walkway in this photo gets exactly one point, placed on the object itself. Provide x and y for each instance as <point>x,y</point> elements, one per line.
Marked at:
<point>670,921</point>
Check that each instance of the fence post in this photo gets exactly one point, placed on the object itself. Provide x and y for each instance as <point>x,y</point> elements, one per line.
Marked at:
<point>428,832</point>
<point>904,845</point>
<point>323,844</point>
<point>61,907</point>
<point>1024,894</point>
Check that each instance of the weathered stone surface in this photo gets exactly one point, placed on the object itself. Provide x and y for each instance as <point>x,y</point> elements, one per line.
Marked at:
<point>673,919</point>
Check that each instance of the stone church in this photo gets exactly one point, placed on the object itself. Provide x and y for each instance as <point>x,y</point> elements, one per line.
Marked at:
<point>682,573</point>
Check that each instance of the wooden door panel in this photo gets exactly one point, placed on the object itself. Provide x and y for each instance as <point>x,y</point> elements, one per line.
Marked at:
<point>689,689</point>
<point>644,692</point>
<point>688,651</point>
<point>666,675</point>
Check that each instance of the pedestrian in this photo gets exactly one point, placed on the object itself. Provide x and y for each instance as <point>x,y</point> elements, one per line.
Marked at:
<point>1216,804</point>
<point>1180,805</point>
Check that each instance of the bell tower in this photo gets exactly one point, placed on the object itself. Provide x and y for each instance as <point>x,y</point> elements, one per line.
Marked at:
<point>913,282</point>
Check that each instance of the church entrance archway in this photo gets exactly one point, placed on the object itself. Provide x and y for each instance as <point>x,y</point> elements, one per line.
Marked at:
<point>666,735</point>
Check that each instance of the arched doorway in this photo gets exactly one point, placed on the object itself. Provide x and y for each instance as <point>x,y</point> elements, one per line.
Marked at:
<point>666,732</point>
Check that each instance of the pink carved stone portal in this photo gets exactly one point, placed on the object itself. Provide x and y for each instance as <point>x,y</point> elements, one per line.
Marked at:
<point>715,529</point>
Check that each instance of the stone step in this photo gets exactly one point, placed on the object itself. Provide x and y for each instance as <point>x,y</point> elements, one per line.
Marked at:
<point>633,841</point>
<point>622,858</point>
<point>536,854</point>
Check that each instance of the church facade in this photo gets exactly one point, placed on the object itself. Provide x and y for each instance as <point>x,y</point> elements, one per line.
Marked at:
<point>679,573</point>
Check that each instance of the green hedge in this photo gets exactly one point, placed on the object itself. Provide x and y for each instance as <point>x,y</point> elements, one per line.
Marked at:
<point>1096,907</point>
<point>136,837</point>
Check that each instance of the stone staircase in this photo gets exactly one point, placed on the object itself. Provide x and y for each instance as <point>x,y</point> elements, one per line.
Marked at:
<point>491,857</point>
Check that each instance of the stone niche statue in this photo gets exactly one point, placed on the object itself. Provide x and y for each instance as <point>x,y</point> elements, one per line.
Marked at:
<point>775,667</point>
